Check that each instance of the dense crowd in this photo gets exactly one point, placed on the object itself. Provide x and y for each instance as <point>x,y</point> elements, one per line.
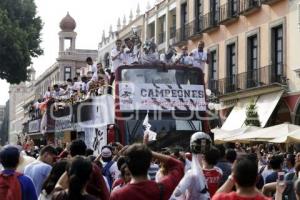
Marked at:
<point>205,171</point>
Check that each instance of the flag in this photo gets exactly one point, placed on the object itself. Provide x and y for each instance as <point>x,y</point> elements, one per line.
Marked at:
<point>147,126</point>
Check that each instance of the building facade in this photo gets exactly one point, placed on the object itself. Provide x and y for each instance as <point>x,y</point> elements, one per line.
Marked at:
<point>252,48</point>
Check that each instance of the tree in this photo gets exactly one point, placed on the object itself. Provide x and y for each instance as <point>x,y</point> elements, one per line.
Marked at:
<point>252,118</point>
<point>19,38</point>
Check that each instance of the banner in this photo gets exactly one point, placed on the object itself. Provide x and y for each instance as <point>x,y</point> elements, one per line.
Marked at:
<point>34,126</point>
<point>161,97</point>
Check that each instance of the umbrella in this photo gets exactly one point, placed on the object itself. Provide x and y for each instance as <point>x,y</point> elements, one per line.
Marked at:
<point>269,133</point>
<point>293,137</point>
<point>223,136</point>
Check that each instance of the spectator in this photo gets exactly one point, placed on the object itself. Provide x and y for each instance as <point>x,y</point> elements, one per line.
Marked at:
<point>125,174</point>
<point>223,164</point>
<point>153,169</point>
<point>266,170</point>
<point>48,187</point>
<point>212,173</point>
<point>138,158</point>
<point>24,161</point>
<point>72,185</point>
<point>244,178</point>
<point>14,185</point>
<point>89,152</point>
<point>40,169</point>
<point>96,185</point>
<point>230,155</point>
<point>290,163</point>
<point>276,165</point>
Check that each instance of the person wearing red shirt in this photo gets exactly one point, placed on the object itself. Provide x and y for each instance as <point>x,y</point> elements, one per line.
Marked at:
<point>138,159</point>
<point>212,173</point>
<point>244,177</point>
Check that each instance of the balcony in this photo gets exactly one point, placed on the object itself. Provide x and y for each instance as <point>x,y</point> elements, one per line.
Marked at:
<point>229,12</point>
<point>262,77</point>
<point>183,33</point>
<point>249,6</point>
<point>210,21</point>
<point>269,1</point>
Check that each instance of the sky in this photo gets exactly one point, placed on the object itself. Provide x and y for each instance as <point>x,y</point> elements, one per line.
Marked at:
<point>91,16</point>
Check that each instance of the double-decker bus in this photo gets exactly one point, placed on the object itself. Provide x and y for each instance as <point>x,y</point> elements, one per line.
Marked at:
<point>172,95</point>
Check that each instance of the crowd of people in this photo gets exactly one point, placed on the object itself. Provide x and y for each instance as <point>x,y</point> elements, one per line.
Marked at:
<point>205,171</point>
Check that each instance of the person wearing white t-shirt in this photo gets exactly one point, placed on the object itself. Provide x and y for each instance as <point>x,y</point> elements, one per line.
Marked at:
<point>90,62</point>
<point>117,56</point>
<point>199,56</point>
<point>131,52</point>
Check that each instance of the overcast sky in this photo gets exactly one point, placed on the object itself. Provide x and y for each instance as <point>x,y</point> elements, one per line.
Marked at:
<point>91,16</point>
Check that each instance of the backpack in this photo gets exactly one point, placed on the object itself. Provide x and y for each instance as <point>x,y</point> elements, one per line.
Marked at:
<point>106,173</point>
<point>10,187</point>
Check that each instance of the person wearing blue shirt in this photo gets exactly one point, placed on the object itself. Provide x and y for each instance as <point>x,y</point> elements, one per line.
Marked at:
<point>39,170</point>
<point>9,156</point>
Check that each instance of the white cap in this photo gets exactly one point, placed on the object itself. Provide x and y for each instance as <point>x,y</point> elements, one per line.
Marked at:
<point>199,135</point>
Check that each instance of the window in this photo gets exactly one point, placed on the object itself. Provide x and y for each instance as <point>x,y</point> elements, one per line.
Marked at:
<point>277,53</point>
<point>233,6</point>
<point>198,14</point>
<point>151,30</point>
<point>161,36</point>
<point>252,61</point>
<point>213,73</point>
<point>214,9</point>
<point>231,67</point>
<point>184,21</point>
<point>67,73</point>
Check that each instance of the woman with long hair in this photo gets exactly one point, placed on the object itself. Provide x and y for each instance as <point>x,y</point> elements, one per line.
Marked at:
<point>72,184</point>
<point>58,169</point>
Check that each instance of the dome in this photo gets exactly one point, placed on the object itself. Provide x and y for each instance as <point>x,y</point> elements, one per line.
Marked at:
<point>67,23</point>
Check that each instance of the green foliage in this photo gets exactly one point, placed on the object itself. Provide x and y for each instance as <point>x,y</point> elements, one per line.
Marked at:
<point>19,38</point>
<point>252,115</point>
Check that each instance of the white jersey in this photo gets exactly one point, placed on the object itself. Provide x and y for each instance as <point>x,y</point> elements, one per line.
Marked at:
<point>199,59</point>
<point>185,59</point>
<point>131,57</point>
<point>118,61</point>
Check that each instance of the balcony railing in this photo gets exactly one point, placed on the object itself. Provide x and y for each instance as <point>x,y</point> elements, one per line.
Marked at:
<point>263,76</point>
<point>183,33</point>
<point>247,6</point>
<point>229,11</point>
<point>269,1</point>
<point>161,38</point>
<point>211,20</point>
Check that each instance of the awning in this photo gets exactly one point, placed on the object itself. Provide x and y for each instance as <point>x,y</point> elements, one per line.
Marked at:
<point>265,106</point>
<point>237,116</point>
<point>269,133</point>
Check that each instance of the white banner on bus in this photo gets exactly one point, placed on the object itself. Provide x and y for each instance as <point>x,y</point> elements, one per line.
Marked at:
<point>161,97</point>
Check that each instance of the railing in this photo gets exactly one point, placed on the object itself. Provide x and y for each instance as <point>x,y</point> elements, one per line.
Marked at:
<point>172,32</point>
<point>161,38</point>
<point>229,10</point>
<point>247,5</point>
<point>211,19</point>
<point>263,76</point>
<point>183,33</point>
<point>268,1</point>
